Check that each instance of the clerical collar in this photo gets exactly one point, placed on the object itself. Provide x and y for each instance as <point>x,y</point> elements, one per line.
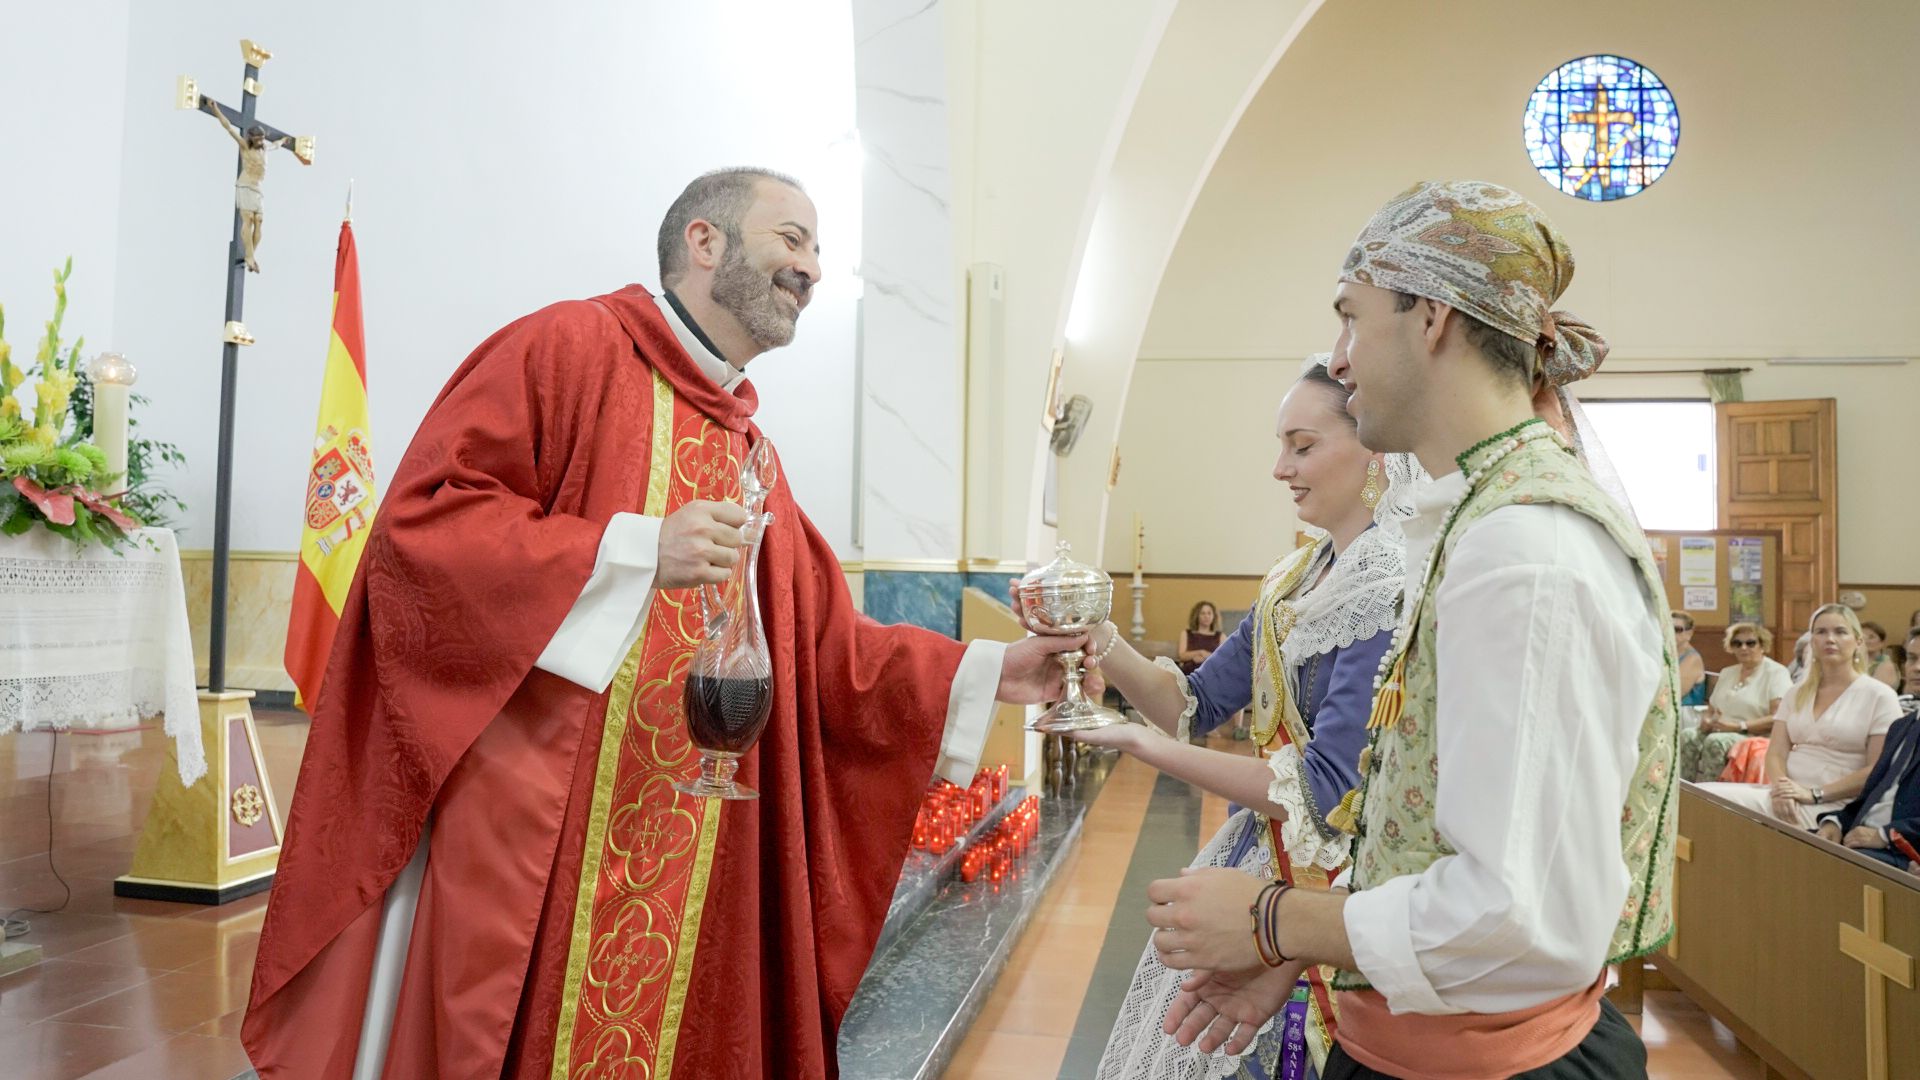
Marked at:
<point>697,344</point>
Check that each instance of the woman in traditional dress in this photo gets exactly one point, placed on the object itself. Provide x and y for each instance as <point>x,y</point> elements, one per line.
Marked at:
<point>1832,726</point>
<point>1303,663</point>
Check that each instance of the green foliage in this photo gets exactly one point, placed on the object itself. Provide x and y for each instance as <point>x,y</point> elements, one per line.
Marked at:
<point>54,449</point>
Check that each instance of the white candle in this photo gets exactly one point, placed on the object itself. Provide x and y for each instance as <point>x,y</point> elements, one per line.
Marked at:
<point>113,381</point>
<point>1139,548</point>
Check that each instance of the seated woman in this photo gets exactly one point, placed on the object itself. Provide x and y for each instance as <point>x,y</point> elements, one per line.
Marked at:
<point>1745,698</point>
<point>1881,663</point>
<point>1833,726</point>
<point>1302,663</point>
<point>1693,669</point>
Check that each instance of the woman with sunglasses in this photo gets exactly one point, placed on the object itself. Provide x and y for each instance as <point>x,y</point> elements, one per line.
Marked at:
<point>1745,698</point>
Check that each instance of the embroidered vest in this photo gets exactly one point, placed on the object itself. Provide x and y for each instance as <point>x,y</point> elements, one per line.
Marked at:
<point>1400,769</point>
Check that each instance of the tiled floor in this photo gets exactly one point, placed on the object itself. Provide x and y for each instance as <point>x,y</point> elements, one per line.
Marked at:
<point>1051,1011</point>
<point>151,991</point>
<point>128,988</point>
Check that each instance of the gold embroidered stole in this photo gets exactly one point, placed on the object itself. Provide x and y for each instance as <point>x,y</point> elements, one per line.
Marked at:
<point>649,849</point>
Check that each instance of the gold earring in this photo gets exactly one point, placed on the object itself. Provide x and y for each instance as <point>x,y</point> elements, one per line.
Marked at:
<point>1371,493</point>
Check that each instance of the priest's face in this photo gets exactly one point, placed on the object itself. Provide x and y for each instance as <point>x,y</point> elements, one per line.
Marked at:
<point>767,273</point>
<point>1377,359</point>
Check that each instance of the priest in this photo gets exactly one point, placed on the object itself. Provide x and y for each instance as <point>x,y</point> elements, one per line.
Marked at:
<point>488,871</point>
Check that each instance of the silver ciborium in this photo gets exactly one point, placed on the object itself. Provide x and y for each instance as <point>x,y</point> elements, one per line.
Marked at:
<point>1068,597</point>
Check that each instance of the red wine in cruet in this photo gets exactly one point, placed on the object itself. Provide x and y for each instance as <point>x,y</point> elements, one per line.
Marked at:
<point>727,714</point>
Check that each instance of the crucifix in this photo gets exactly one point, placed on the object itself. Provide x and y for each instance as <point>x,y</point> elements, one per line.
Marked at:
<point>255,138</point>
<point>1602,120</point>
<point>1882,961</point>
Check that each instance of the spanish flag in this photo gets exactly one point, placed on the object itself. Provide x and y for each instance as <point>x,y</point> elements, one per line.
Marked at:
<point>340,487</point>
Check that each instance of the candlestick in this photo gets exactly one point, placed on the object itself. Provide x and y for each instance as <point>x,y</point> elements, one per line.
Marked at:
<point>1139,611</point>
<point>113,380</point>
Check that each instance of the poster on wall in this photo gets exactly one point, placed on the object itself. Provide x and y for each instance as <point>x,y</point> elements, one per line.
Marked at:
<point>1743,603</point>
<point>1658,545</point>
<point>1743,552</point>
<point>1700,598</point>
<point>1699,565</point>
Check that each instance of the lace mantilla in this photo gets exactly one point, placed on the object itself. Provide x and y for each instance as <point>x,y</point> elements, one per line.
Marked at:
<point>1137,1049</point>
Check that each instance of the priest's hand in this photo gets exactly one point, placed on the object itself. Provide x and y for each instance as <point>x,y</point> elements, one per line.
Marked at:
<point>1200,919</point>
<point>1224,1010</point>
<point>1830,831</point>
<point>699,544</point>
<point>1030,675</point>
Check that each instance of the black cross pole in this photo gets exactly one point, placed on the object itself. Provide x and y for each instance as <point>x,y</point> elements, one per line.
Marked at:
<point>235,336</point>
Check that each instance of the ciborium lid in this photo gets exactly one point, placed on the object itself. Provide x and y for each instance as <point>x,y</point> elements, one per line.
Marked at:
<point>1065,573</point>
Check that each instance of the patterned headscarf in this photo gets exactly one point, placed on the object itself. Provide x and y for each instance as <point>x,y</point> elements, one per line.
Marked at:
<point>1486,251</point>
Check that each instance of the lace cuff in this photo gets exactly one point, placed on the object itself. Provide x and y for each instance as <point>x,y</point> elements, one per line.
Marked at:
<point>1184,729</point>
<point>1305,835</point>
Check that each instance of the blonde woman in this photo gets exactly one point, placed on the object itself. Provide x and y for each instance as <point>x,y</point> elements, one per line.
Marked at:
<point>1745,698</point>
<point>1831,729</point>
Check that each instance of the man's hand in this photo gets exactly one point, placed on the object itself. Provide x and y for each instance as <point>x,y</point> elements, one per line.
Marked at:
<point>1224,1010</point>
<point>1200,920</point>
<point>1830,831</point>
<point>699,545</point>
<point>1030,674</point>
<point>1865,836</point>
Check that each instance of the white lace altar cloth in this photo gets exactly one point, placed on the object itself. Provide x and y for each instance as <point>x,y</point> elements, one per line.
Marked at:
<point>97,639</point>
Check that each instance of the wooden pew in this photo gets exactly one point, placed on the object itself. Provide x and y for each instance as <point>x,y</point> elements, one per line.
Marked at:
<point>1805,950</point>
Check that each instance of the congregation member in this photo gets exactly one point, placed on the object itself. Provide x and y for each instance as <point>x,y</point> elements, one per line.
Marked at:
<point>1829,730</point>
<point>1882,661</point>
<point>1746,694</point>
<point>1883,822</point>
<point>1515,815</point>
<point>1693,669</point>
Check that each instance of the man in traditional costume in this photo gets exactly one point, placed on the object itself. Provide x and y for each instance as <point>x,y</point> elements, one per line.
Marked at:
<point>488,871</point>
<point>1516,809</point>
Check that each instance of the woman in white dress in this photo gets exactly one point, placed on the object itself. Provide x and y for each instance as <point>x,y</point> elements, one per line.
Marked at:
<point>1829,730</point>
<point>1745,698</point>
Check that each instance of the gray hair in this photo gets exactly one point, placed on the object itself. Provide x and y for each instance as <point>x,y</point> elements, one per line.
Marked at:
<point>720,197</point>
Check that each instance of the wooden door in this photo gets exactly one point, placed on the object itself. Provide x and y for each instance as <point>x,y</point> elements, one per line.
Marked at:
<point>1778,471</point>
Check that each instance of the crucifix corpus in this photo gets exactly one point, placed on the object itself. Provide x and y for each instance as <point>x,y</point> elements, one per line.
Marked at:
<point>255,138</point>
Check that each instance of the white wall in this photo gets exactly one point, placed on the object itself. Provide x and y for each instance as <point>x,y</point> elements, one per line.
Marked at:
<point>62,77</point>
<point>505,156</point>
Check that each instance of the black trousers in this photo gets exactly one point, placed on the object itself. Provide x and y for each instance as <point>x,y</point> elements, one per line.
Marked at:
<point>1611,1051</point>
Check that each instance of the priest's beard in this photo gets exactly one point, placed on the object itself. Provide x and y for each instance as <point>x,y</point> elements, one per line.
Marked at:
<point>754,297</point>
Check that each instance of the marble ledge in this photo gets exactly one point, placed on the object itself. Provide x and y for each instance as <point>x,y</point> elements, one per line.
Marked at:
<point>917,1001</point>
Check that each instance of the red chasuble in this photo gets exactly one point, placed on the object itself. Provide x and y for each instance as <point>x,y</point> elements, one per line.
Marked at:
<point>578,917</point>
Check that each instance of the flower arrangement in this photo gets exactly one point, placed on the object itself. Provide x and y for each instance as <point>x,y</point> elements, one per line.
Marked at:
<point>51,474</point>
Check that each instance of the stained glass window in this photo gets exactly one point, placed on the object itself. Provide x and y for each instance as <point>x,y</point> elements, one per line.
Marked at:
<point>1601,128</point>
